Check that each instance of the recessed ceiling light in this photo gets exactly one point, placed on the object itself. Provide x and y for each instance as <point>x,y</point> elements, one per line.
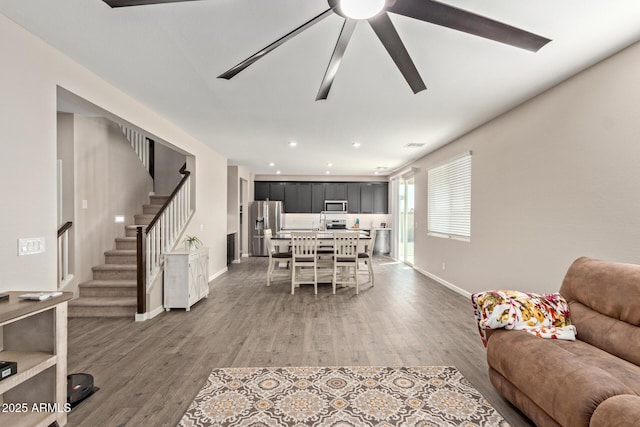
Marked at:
<point>277,172</point>
<point>329,165</point>
<point>356,144</point>
<point>328,172</point>
<point>292,143</point>
<point>272,164</point>
<point>376,173</point>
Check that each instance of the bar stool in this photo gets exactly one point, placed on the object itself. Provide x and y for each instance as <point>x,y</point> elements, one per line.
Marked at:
<point>345,255</point>
<point>274,257</point>
<point>304,247</point>
<point>367,255</point>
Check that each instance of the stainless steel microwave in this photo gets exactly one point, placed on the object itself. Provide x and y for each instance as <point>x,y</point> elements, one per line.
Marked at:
<point>335,206</point>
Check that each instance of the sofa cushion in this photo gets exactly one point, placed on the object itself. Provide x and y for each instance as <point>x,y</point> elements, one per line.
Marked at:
<point>614,336</point>
<point>566,379</point>
<point>607,287</point>
<point>619,411</point>
<point>603,298</point>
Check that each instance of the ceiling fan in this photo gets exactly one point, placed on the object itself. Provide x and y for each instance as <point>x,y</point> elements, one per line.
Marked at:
<point>375,12</point>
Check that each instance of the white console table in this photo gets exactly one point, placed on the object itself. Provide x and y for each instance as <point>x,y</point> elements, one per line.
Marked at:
<point>186,278</point>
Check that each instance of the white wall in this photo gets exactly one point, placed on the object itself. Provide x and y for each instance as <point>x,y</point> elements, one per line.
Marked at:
<point>113,181</point>
<point>30,72</point>
<point>554,179</point>
<point>167,164</point>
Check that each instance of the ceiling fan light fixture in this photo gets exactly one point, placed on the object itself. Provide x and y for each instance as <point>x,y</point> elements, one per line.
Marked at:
<point>361,9</point>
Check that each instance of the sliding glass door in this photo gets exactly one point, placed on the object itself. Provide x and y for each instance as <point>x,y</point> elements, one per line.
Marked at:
<point>406,205</point>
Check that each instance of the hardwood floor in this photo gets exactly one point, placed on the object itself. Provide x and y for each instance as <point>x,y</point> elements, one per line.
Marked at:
<point>149,372</point>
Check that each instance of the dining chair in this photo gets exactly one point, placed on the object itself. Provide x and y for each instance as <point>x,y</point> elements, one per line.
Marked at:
<point>367,255</point>
<point>304,246</point>
<point>275,257</point>
<point>345,256</point>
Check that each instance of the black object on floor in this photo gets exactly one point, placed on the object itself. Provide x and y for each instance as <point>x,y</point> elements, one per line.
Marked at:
<point>79,387</point>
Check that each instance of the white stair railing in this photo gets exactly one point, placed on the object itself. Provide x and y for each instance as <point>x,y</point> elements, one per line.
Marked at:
<point>163,234</point>
<point>160,236</point>
<point>141,145</point>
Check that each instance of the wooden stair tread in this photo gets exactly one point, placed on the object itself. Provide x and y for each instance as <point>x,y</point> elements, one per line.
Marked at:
<point>104,302</point>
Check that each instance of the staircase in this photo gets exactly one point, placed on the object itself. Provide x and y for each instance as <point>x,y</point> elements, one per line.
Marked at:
<point>113,290</point>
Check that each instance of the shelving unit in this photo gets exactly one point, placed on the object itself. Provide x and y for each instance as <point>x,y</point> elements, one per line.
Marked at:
<point>34,334</point>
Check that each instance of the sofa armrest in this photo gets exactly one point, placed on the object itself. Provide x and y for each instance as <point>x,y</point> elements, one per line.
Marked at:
<point>620,411</point>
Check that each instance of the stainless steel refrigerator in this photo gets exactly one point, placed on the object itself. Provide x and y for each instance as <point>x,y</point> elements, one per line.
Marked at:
<point>264,216</point>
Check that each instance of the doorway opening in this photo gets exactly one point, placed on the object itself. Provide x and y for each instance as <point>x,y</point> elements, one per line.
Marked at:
<point>406,207</point>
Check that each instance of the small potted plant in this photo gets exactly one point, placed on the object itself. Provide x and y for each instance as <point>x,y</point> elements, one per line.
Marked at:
<point>191,242</point>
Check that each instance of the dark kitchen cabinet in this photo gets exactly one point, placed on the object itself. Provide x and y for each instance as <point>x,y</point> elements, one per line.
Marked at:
<point>261,190</point>
<point>374,198</point>
<point>297,197</point>
<point>304,197</point>
<point>366,198</point>
<point>317,197</point>
<point>353,197</point>
<point>309,197</point>
<point>335,191</point>
<point>380,198</point>
<point>276,191</point>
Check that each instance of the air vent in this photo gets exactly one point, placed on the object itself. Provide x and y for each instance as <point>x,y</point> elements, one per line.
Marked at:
<point>414,145</point>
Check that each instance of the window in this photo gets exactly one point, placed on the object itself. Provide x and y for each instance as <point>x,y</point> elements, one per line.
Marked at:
<point>449,210</point>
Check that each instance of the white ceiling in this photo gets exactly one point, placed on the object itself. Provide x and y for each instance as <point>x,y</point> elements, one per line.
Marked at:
<point>168,57</point>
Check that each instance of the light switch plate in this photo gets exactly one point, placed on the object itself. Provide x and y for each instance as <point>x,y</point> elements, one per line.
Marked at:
<point>31,245</point>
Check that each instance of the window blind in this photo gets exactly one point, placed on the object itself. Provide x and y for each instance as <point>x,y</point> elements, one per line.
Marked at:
<point>449,199</point>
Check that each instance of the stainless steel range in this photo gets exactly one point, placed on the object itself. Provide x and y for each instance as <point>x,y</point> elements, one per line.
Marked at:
<point>336,224</point>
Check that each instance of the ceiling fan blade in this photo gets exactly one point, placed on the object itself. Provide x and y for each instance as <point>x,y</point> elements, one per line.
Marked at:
<point>253,58</point>
<point>468,22</point>
<point>386,32</point>
<point>343,40</point>
<point>124,3</point>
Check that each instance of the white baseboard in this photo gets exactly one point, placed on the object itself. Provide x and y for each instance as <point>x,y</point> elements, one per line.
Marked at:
<point>149,314</point>
<point>218,274</point>
<point>444,282</point>
<point>235,261</point>
<point>245,255</point>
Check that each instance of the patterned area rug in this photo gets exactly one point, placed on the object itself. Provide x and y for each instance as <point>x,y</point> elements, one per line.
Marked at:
<point>340,397</point>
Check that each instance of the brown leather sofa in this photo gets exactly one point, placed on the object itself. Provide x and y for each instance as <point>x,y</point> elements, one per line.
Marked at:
<point>593,381</point>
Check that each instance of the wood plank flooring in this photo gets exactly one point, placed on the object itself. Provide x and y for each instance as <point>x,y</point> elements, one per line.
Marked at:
<point>149,372</point>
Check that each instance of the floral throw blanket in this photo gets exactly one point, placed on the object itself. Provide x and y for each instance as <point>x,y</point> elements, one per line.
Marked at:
<point>546,316</point>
